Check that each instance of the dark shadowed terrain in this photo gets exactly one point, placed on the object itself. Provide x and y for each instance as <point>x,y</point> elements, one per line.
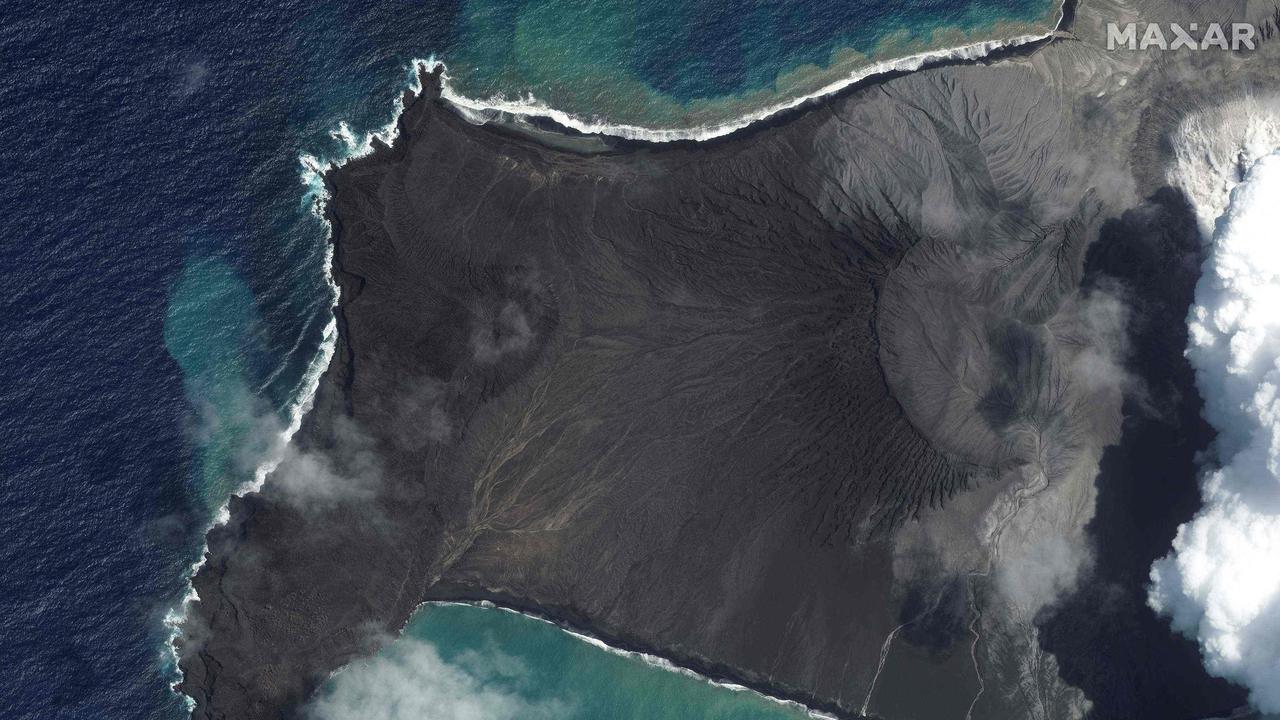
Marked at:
<point>1106,639</point>
<point>818,407</point>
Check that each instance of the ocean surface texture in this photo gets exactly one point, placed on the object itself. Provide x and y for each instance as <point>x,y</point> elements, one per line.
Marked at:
<point>165,269</point>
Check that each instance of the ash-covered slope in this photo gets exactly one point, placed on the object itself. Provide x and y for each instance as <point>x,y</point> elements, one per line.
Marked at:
<point>817,407</point>
<point>642,390</point>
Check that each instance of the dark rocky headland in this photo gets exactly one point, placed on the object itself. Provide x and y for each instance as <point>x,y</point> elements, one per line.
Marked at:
<point>818,407</point>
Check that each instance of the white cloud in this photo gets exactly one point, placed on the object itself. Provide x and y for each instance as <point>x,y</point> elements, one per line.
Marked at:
<point>495,336</point>
<point>1034,573</point>
<point>1213,145</point>
<point>410,681</point>
<point>1221,583</point>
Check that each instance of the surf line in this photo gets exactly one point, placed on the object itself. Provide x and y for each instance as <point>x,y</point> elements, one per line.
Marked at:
<point>316,196</point>
<point>531,107</point>
<point>654,661</point>
<point>307,387</point>
<point>305,397</point>
<point>314,199</point>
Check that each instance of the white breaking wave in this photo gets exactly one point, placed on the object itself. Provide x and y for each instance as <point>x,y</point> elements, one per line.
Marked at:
<point>481,110</point>
<point>1220,585</point>
<point>275,453</point>
<point>476,110</point>
<point>315,167</point>
<point>650,660</point>
<point>312,177</point>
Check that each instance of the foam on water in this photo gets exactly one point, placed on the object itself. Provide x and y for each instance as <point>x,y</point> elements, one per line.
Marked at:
<point>315,197</point>
<point>530,106</point>
<point>306,396</point>
<point>475,648</point>
<point>650,660</point>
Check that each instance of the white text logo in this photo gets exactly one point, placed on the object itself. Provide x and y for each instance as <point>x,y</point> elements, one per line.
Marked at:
<point>1174,36</point>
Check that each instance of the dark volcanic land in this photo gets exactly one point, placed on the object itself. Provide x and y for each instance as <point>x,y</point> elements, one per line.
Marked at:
<point>818,407</point>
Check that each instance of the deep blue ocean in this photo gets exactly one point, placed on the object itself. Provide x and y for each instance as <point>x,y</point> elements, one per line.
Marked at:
<point>164,273</point>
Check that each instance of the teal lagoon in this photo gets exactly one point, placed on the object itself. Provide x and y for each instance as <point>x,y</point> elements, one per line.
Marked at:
<point>456,662</point>
<point>249,313</point>
<point>691,69</point>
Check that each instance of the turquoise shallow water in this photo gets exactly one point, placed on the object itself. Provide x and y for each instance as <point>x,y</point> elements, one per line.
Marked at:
<point>247,306</point>
<point>167,275</point>
<point>211,330</point>
<point>680,65</point>
<point>461,661</point>
<point>247,310</point>
<point>244,331</point>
